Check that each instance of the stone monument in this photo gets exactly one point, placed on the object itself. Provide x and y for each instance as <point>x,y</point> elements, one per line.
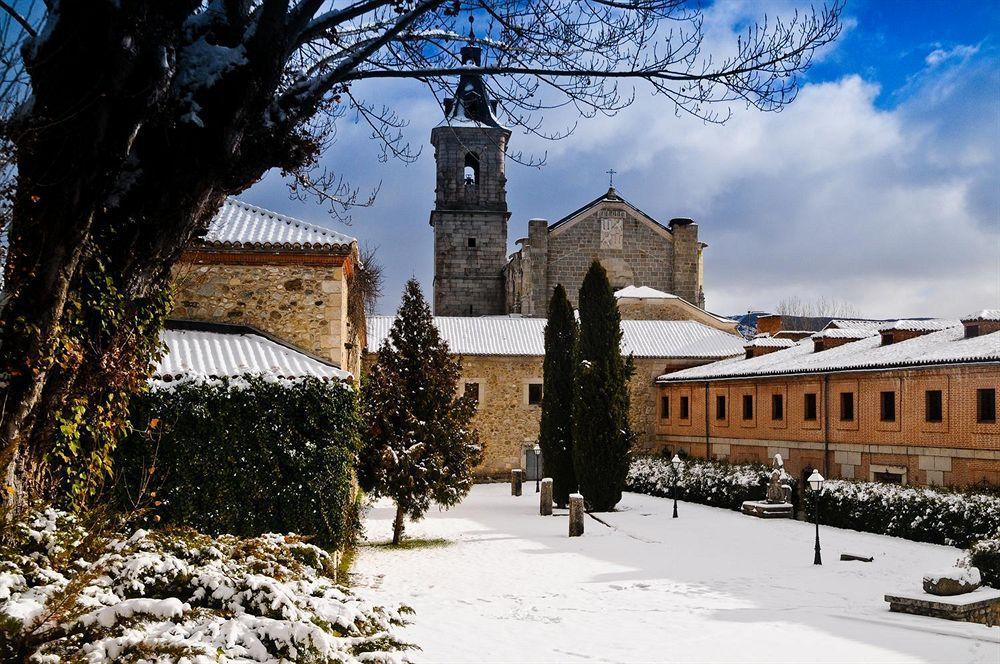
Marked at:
<point>778,503</point>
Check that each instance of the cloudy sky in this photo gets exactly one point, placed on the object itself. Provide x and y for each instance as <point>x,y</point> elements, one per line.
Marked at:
<point>879,186</point>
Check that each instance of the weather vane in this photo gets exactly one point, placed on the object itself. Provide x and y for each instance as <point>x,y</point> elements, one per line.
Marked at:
<point>611,176</point>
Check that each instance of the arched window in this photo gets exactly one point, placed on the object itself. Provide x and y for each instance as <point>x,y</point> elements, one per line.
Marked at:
<point>471,168</point>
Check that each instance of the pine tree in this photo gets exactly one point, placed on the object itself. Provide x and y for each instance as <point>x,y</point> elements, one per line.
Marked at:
<point>420,446</point>
<point>601,433</point>
<point>556,431</point>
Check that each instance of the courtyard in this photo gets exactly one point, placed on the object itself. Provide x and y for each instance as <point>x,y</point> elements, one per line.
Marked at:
<point>490,580</point>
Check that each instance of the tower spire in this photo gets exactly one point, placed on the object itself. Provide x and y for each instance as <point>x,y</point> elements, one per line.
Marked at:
<point>472,99</point>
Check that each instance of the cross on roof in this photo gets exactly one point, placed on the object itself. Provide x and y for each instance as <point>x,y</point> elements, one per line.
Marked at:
<point>611,176</point>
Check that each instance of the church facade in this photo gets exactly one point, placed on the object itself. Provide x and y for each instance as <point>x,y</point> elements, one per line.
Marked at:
<point>473,275</point>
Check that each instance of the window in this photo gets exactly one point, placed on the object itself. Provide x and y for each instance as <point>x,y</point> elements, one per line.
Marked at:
<point>747,406</point>
<point>720,407</point>
<point>971,331</point>
<point>471,172</point>
<point>809,413</point>
<point>664,408</point>
<point>933,406</point>
<point>472,391</point>
<point>887,407</point>
<point>684,408</point>
<point>986,405</point>
<point>889,478</point>
<point>847,406</point>
<point>777,407</point>
<point>534,394</point>
<point>886,338</point>
<point>472,243</point>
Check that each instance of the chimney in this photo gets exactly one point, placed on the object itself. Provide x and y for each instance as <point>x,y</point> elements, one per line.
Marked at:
<point>764,344</point>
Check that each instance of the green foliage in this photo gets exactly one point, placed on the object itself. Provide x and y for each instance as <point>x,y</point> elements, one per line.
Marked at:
<point>985,554</point>
<point>602,436</point>
<point>555,435</point>
<point>419,445</point>
<point>248,456</point>
<point>923,514</point>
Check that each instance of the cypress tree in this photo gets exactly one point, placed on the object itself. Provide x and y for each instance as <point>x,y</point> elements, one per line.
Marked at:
<point>419,445</point>
<point>601,433</point>
<point>556,430</point>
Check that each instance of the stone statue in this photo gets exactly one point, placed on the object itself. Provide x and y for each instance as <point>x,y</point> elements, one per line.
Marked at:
<point>777,491</point>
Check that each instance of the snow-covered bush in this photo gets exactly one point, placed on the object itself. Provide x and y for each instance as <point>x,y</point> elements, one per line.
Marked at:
<point>247,456</point>
<point>985,555</point>
<point>939,516</point>
<point>706,482</point>
<point>67,594</point>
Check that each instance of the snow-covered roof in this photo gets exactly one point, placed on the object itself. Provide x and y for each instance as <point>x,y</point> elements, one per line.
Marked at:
<point>767,341</point>
<point>845,333</point>
<point>946,346</point>
<point>982,315</point>
<point>644,293</point>
<point>919,325</point>
<point>855,323</point>
<point>239,225</point>
<point>211,354</point>
<point>514,335</point>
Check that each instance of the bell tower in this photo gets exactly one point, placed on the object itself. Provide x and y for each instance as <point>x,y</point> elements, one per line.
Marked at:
<point>470,207</point>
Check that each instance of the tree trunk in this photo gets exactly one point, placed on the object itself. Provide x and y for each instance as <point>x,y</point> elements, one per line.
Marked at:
<point>397,526</point>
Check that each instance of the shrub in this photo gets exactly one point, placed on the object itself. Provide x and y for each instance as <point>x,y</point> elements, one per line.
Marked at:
<point>73,592</point>
<point>707,482</point>
<point>938,516</point>
<point>248,456</point>
<point>985,554</point>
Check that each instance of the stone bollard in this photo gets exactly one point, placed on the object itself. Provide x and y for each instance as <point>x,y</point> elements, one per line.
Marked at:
<point>545,504</point>
<point>575,515</point>
<point>515,481</point>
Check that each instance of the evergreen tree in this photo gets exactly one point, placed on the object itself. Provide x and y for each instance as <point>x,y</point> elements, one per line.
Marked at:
<point>420,446</point>
<point>601,432</point>
<point>556,431</point>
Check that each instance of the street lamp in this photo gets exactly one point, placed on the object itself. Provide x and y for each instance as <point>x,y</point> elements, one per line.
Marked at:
<point>815,482</point>
<point>538,471</point>
<point>676,463</point>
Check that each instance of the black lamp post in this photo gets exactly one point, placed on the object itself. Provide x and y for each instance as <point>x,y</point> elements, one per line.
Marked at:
<point>815,482</point>
<point>538,471</point>
<point>676,463</point>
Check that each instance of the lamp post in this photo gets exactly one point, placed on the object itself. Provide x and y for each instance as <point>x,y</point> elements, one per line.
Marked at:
<point>676,463</point>
<point>538,471</point>
<point>815,482</point>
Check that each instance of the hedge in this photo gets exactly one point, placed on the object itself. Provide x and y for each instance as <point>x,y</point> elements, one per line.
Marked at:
<point>985,555</point>
<point>247,456</point>
<point>706,482</point>
<point>938,516</point>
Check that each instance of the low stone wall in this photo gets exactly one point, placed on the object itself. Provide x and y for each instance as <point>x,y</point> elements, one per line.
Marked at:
<point>981,606</point>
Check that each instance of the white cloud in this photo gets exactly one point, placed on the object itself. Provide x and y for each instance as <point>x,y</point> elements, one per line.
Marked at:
<point>960,52</point>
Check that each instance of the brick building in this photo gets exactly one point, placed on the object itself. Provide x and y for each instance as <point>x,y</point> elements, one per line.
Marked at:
<point>472,273</point>
<point>912,402</point>
<point>502,367</point>
<point>284,277</point>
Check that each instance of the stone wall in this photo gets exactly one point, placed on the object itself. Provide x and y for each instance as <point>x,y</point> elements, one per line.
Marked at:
<point>303,304</point>
<point>958,450</point>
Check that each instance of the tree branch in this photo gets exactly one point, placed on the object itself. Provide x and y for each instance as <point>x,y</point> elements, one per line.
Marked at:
<point>17,17</point>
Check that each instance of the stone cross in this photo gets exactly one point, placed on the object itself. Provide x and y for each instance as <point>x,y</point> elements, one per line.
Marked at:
<point>515,481</point>
<point>575,515</point>
<point>611,176</point>
<point>545,498</point>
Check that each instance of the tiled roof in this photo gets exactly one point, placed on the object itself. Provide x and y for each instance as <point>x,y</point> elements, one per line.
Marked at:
<point>982,315</point>
<point>942,347</point>
<point>611,195</point>
<point>514,335</point>
<point>210,354</point>
<point>919,325</point>
<point>239,225</point>
<point>767,341</point>
<point>845,333</point>
<point>855,323</point>
<point>644,292</point>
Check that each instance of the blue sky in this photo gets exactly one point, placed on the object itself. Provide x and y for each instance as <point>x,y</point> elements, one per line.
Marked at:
<point>878,186</point>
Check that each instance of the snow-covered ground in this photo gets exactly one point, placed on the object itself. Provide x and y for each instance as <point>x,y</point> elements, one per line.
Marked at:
<point>712,585</point>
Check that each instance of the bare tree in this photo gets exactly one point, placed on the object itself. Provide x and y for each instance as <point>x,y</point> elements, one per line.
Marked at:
<point>822,306</point>
<point>131,121</point>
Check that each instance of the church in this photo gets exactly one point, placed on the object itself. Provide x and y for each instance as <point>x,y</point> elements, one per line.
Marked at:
<point>473,275</point>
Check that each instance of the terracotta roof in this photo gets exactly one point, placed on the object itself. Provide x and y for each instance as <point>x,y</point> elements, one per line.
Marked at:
<point>514,335</point>
<point>239,225</point>
<point>982,315</point>
<point>767,341</point>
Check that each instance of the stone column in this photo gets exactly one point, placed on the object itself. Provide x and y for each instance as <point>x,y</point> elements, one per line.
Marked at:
<point>575,515</point>
<point>545,499</point>
<point>515,481</point>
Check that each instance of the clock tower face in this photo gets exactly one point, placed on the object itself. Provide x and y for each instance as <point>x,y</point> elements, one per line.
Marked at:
<point>611,233</point>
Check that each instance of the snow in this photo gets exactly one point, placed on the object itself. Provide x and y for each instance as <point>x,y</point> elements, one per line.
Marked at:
<point>982,315</point>
<point>966,575</point>
<point>643,293</point>
<point>920,325</point>
<point>711,585</point>
<point>515,335</point>
<point>241,225</point>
